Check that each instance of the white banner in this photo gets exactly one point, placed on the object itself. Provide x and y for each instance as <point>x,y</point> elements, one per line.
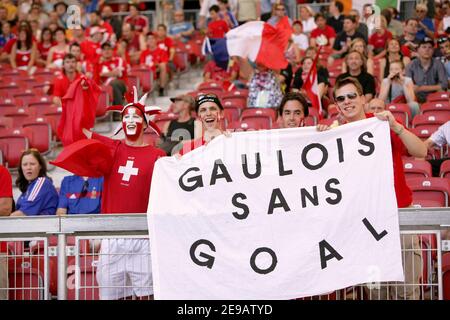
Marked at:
<point>277,214</point>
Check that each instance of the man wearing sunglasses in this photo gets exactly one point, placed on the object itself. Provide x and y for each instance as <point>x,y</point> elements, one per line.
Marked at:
<point>350,101</point>
<point>426,26</point>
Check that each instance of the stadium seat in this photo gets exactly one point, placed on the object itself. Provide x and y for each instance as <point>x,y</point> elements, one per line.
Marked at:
<point>39,134</point>
<point>133,81</point>
<point>417,168</point>
<point>145,78</point>
<point>12,145</point>
<point>102,104</point>
<point>26,278</point>
<point>161,119</point>
<point>52,115</point>
<point>445,169</point>
<point>211,87</point>
<point>436,107</point>
<point>446,275</point>
<point>7,89</point>
<point>438,96</point>
<point>266,116</point>
<point>246,125</point>
<point>424,132</point>
<point>429,121</point>
<point>88,286</point>
<point>402,110</point>
<point>233,109</point>
<point>236,98</point>
<point>25,97</point>
<point>420,203</point>
<point>437,189</point>
<point>19,116</point>
<point>6,101</point>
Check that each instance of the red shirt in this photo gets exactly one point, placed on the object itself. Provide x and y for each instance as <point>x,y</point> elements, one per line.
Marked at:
<point>166,44</point>
<point>379,41</point>
<point>44,49</point>
<point>191,145</point>
<point>217,73</point>
<point>108,66</point>
<point>126,188</point>
<point>139,22</point>
<point>151,58</point>
<point>5,192</point>
<point>327,32</point>
<point>217,29</point>
<point>91,51</point>
<point>62,83</point>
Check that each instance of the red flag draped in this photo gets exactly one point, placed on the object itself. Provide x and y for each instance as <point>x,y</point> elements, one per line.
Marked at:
<point>311,85</point>
<point>78,111</point>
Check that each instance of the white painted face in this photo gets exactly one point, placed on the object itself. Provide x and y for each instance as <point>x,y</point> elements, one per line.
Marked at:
<point>132,123</point>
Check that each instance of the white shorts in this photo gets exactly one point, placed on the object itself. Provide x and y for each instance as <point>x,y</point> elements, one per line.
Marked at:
<point>124,269</point>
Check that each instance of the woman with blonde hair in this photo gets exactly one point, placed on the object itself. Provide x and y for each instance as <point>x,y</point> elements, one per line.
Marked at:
<point>393,53</point>
<point>307,19</point>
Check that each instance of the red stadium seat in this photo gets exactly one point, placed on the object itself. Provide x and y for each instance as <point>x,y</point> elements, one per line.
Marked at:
<point>150,137</point>
<point>89,289</point>
<point>266,116</point>
<point>235,98</point>
<point>12,146</point>
<point>437,189</point>
<point>39,134</point>
<point>402,110</point>
<point>424,132</point>
<point>211,87</point>
<point>102,104</point>
<point>438,96</point>
<point>429,120</point>
<point>420,203</point>
<point>161,119</point>
<point>445,169</point>
<point>19,116</point>
<point>26,278</point>
<point>25,97</point>
<point>52,115</point>
<point>246,125</point>
<point>446,275</point>
<point>233,109</point>
<point>436,107</point>
<point>145,78</point>
<point>7,89</point>
<point>6,101</point>
<point>133,81</point>
<point>417,168</point>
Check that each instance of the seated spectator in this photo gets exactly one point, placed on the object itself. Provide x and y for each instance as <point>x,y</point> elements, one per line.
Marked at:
<point>58,51</point>
<point>82,65</point>
<point>426,26</point>
<point>302,73</point>
<point>217,27</point>
<point>156,59</point>
<point>378,40</point>
<point>293,110</point>
<point>165,43</point>
<point>361,27</point>
<point>43,46</point>
<point>409,41</point>
<point>37,14</point>
<point>359,45</point>
<point>24,51</point>
<point>226,14</point>
<point>77,35</point>
<point>112,70</point>
<point>61,13</point>
<point>445,22</point>
<point>140,22</point>
<point>323,35</point>
<point>444,48</point>
<point>95,19</point>
<point>428,74</point>
<point>114,22</point>
<point>64,79</point>
<point>343,40</point>
<point>279,11</point>
<point>91,48</point>
<point>336,18</point>
<point>356,68</point>
<point>218,72</point>
<point>264,89</point>
<point>307,19</point>
<point>376,105</point>
<point>300,39</point>
<point>393,25</point>
<point>6,194</point>
<point>6,34</point>
<point>80,195</point>
<point>39,196</point>
<point>393,53</point>
<point>398,88</point>
<point>293,53</point>
<point>180,30</point>
<point>134,43</point>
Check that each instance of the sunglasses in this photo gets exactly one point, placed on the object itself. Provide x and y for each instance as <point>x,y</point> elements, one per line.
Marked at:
<point>351,96</point>
<point>84,190</point>
<point>442,40</point>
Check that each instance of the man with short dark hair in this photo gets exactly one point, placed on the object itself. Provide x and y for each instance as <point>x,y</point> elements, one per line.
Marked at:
<point>343,39</point>
<point>361,27</point>
<point>409,41</point>
<point>323,34</point>
<point>65,78</point>
<point>140,22</point>
<point>180,29</point>
<point>336,18</point>
<point>293,110</point>
<point>427,73</point>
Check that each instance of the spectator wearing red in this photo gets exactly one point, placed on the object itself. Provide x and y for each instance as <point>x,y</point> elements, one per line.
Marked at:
<point>112,70</point>
<point>24,50</point>
<point>44,45</point>
<point>217,27</point>
<point>323,34</point>
<point>134,46</point>
<point>214,72</point>
<point>95,19</point>
<point>82,65</point>
<point>6,206</point>
<point>156,59</point>
<point>409,41</point>
<point>164,42</point>
<point>64,79</point>
<point>378,40</point>
<point>91,48</point>
<point>136,19</point>
<point>77,35</point>
<point>58,51</point>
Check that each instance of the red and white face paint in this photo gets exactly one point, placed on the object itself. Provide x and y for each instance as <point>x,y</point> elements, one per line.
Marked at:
<point>132,123</point>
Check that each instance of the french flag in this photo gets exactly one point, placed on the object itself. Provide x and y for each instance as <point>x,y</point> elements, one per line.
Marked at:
<point>256,40</point>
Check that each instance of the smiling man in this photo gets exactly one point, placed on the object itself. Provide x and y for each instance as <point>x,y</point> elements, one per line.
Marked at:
<point>293,110</point>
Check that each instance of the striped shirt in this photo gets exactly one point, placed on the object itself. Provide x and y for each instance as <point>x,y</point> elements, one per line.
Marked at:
<point>40,198</point>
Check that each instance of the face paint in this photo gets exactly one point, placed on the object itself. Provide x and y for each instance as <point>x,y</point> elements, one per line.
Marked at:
<point>132,123</point>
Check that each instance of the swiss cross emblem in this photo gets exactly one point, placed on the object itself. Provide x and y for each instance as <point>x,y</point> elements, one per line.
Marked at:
<point>128,170</point>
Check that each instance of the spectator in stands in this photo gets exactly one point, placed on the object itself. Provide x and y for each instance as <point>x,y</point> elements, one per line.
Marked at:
<point>6,194</point>
<point>293,110</point>
<point>58,51</point>
<point>444,47</point>
<point>218,72</point>
<point>378,40</point>
<point>426,26</point>
<point>350,100</point>
<point>43,46</point>
<point>39,196</point>
<point>156,59</point>
<point>134,44</point>
<point>226,14</point>
<point>166,43</point>
<point>376,105</point>
<point>428,74</point>
<point>307,19</point>
<point>91,47</point>
<point>79,195</point>
<point>336,18</point>
<point>360,26</point>
<point>181,30</point>
<point>302,73</point>
<point>6,34</point>
<point>264,89</point>
<point>278,13</point>
<point>140,22</point>
<point>114,22</point>
<point>217,27</point>
<point>439,138</point>
<point>250,10</point>
<point>324,34</point>
<point>82,65</point>
<point>62,82</point>
<point>443,26</point>
<point>3,15</point>
<point>393,53</point>
<point>344,38</point>
<point>61,11</point>
<point>356,67</point>
<point>368,17</point>
<point>203,14</point>
<point>112,70</point>
<point>77,35</point>
<point>409,41</point>
<point>398,88</point>
<point>37,14</point>
<point>359,45</point>
<point>11,10</point>
<point>24,50</point>
<point>393,25</point>
<point>299,38</point>
<point>107,30</point>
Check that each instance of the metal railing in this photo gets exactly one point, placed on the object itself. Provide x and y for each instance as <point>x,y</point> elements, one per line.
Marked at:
<point>58,255</point>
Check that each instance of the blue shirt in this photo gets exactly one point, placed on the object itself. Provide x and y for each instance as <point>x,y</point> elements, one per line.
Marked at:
<point>180,27</point>
<point>40,198</point>
<point>4,40</point>
<point>421,33</point>
<point>72,199</point>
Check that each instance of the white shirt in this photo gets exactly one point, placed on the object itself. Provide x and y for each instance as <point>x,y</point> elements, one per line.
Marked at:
<point>301,41</point>
<point>309,25</point>
<point>442,136</point>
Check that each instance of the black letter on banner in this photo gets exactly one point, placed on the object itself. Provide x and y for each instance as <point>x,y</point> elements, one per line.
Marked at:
<point>281,170</point>
<point>305,153</point>
<point>340,150</point>
<point>366,143</point>
<point>209,259</point>
<point>276,194</point>
<point>197,179</point>
<point>324,258</point>
<point>253,259</point>
<point>245,167</point>
<point>376,235</point>
<point>337,192</point>
<point>214,176</point>
<point>240,206</point>
<point>305,194</point>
